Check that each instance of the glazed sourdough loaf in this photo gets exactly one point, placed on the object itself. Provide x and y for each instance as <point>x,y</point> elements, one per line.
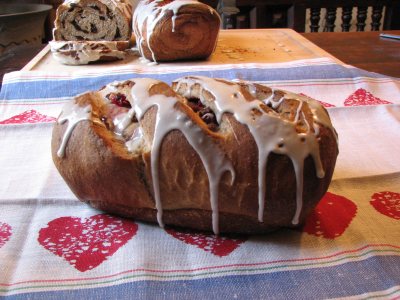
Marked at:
<point>172,30</point>
<point>207,154</point>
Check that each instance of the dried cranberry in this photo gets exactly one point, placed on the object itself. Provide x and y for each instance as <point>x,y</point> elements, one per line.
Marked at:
<point>119,99</point>
<point>195,104</point>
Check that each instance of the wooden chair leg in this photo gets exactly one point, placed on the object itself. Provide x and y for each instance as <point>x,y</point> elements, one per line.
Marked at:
<point>314,19</point>
<point>347,12</point>
<point>376,17</point>
<point>330,19</point>
<point>361,17</point>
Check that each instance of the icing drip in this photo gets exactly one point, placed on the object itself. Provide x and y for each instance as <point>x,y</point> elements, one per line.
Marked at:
<point>73,113</point>
<point>173,22</point>
<point>270,133</point>
<point>122,121</point>
<point>213,159</point>
<point>270,100</point>
<point>136,141</point>
<point>153,12</point>
<point>320,114</point>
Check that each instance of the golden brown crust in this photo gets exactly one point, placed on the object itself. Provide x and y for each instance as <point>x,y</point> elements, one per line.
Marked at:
<point>101,171</point>
<point>188,33</point>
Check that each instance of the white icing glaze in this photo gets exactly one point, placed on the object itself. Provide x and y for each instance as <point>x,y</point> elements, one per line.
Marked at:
<point>270,133</point>
<point>73,113</point>
<point>122,121</point>
<point>169,118</point>
<point>82,53</point>
<point>136,140</point>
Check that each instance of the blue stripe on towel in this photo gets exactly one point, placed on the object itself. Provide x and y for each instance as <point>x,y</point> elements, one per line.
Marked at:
<point>51,88</point>
<point>377,273</point>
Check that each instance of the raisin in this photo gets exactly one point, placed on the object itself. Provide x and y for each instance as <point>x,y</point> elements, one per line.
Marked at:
<point>95,7</point>
<point>204,112</point>
<point>208,116</point>
<point>77,27</point>
<point>117,34</point>
<point>93,28</point>
<point>110,15</point>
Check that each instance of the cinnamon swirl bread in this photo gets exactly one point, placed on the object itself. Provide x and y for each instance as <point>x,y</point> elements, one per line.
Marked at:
<point>93,20</point>
<point>171,30</point>
<point>91,30</point>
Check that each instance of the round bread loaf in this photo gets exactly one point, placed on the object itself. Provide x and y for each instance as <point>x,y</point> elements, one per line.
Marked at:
<point>206,154</point>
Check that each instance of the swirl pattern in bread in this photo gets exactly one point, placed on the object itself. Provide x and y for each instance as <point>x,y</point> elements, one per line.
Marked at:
<point>207,154</point>
<point>93,20</point>
<point>89,31</point>
<point>175,29</point>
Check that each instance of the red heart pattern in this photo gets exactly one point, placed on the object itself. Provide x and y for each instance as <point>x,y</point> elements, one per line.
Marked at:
<point>331,217</point>
<point>324,104</point>
<point>387,203</point>
<point>5,233</point>
<point>86,243</point>
<point>29,116</point>
<point>217,245</point>
<point>363,97</point>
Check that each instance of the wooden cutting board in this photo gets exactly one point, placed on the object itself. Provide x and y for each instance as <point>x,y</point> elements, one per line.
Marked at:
<point>233,47</point>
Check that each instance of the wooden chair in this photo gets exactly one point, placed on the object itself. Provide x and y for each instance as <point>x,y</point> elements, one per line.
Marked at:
<point>259,13</point>
<point>297,14</point>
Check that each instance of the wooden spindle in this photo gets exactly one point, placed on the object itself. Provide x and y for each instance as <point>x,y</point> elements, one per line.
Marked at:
<point>361,17</point>
<point>347,12</point>
<point>314,19</point>
<point>330,19</point>
<point>376,17</point>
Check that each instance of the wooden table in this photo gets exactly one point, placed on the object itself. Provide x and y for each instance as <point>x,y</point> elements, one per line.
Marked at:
<point>365,50</point>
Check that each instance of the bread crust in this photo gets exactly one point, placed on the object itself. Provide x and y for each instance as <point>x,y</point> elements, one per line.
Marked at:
<point>101,171</point>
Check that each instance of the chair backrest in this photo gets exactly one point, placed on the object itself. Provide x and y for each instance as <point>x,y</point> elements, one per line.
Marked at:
<point>382,11</point>
<point>317,15</point>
